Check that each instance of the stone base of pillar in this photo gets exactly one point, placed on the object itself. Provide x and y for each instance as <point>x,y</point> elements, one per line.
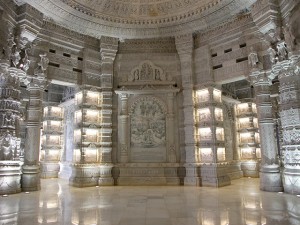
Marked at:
<point>192,177</point>
<point>234,170</point>
<point>250,168</point>
<point>49,170</point>
<point>214,175</point>
<point>291,181</point>
<point>106,178</point>
<point>148,174</point>
<point>31,178</point>
<point>84,175</point>
<point>65,170</point>
<point>10,177</point>
<point>270,179</point>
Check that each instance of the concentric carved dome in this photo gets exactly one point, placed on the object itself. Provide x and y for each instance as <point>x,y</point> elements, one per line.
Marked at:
<point>138,18</point>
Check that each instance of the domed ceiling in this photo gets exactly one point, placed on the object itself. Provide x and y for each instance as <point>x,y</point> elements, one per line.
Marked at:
<point>138,18</point>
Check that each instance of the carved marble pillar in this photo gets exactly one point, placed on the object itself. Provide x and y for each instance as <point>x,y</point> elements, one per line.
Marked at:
<point>10,164</point>
<point>270,176</point>
<point>35,87</point>
<point>123,126</point>
<point>289,79</point>
<point>108,50</point>
<point>185,48</point>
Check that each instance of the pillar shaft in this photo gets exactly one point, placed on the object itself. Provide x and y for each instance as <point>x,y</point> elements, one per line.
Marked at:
<point>108,50</point>
<point>185,48</point>
<point>270,176</point>
<point>31,169</point>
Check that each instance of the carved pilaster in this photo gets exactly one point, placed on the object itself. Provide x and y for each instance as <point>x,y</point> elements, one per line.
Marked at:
<point>108,50</point>
<point>171,146</point>
<point>270,177</point>
<point>185,48</point>
<point>123,126</point>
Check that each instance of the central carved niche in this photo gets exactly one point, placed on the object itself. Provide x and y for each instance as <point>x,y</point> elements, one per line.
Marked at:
<point>148,130</point>
<point>147,72</point>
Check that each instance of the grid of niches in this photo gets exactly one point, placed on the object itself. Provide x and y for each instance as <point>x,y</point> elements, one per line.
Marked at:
<point>88,126</point>
<point>248,135</point>
<point>209,126</point>
<point>52,141</point>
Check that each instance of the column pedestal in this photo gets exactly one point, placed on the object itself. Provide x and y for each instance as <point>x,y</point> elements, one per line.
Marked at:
<point>10,177</point>
<point>84,175</point>
<point>270,179</point>
<point>31,178</point>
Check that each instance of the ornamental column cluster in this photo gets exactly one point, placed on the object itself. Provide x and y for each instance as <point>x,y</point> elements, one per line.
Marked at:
<point>14,65</point>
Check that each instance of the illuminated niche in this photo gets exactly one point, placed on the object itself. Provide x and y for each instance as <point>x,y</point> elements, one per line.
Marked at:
<point>217,95</point>
<point>206,155</point>
<point>87,97</point>
<point>202,95</point>
<point>205,133</point>
<point>220,134</point>
<point>221,154</point>
<point>218,114</point>
<point>204,115</point>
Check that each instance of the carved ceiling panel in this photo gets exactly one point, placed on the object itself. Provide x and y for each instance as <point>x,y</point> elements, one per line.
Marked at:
<point>138,18</point>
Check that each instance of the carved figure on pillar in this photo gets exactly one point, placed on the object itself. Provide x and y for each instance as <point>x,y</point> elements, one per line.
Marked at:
<point>272,54</point>
<point>282,51</point>
<point>253,58</point>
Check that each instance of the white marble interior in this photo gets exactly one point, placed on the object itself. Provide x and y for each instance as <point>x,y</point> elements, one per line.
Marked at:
<point>237,204</point>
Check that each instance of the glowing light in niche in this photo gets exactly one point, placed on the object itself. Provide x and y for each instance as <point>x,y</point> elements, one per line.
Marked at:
<point>221,154</point>
<point>217,95</point>
<point>202,95</point>
<point>220,133</point>
<point>78,98</point>
<point>204,133</point>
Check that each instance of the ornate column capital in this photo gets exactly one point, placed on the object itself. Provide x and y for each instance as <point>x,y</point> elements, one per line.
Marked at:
<point>259,77</point>
<point>184,45</point>
<point>108,48</point>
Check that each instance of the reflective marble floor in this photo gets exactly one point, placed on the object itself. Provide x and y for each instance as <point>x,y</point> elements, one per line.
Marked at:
<point>240,203</point>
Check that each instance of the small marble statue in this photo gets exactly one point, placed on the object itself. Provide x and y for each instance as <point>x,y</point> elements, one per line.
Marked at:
<point>44,62</point>
<point>282,50</point>
<point>253,58</point>
<point>273,55</point>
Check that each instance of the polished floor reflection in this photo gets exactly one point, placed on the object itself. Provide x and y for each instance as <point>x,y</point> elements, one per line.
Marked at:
<point>240,203</point>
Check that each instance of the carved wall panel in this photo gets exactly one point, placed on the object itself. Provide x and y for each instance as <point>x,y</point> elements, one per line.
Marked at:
<point>148,130</point>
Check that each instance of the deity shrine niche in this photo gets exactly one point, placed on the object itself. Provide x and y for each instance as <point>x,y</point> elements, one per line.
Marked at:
<point>148,152</point>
